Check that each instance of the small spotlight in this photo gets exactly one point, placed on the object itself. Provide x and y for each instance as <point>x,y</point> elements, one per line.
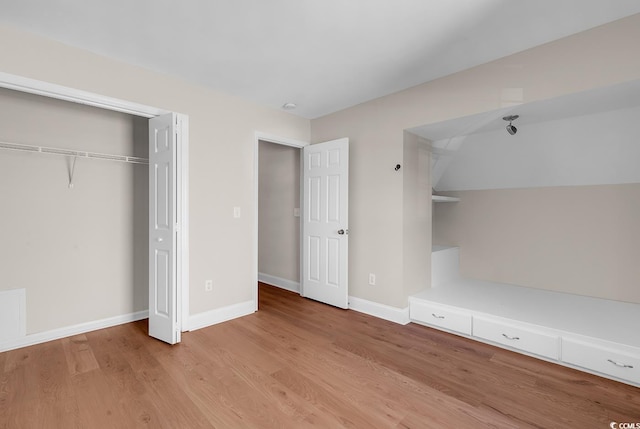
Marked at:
<point>510,128</point>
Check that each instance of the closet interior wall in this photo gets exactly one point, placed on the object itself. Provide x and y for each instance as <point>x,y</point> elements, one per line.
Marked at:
<point>81,252</point>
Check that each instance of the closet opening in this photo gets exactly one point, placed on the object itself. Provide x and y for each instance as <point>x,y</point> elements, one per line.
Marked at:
<point>75,185</point>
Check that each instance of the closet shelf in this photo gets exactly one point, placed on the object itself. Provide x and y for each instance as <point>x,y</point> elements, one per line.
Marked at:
<point>74,153</point>
<point>443,199</point>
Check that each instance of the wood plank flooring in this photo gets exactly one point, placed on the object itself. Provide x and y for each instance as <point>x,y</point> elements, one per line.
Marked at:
<point>297,363</point>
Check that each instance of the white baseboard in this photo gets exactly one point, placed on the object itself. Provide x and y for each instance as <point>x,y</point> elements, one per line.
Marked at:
<point>381,311</point>
<point>68,331</point>
<point>279,282</point>
<point>219,315</point>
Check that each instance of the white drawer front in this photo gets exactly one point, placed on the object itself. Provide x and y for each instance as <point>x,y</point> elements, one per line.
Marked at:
<point>516,336</point>
<point>442,317</point>
<point>601,359</point>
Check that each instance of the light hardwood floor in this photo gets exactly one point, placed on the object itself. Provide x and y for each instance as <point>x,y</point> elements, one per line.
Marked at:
<point>295,364</point>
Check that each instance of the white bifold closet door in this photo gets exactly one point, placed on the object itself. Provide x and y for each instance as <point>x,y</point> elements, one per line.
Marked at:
<point>164,321</point>
<point>325,226</point>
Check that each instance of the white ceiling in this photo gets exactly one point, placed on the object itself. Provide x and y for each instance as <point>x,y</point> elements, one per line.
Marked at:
<point>595,149</point>
<point>598,100</point>
<point>324,55</point>
<point>584,138</point>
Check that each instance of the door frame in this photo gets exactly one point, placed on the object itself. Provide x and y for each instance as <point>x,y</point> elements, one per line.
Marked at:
<point>60,92</point>
<point>285,141</point>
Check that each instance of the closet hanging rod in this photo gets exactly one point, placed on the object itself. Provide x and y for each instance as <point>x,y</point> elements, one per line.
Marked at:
<point>71,152</point>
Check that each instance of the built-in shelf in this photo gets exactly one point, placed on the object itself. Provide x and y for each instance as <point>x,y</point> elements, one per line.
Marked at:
<point>443,199</point>
<point>595,335</point>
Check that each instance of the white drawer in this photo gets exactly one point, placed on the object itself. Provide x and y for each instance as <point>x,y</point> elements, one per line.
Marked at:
<point>517,336</point>
<point>440,316</point>
<point>606,360</point>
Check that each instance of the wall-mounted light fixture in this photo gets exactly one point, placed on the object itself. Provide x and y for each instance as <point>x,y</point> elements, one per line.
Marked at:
<point>510,128</point>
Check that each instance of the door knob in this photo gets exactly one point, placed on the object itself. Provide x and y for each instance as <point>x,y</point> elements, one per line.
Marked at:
<point>343,231</point>
<point>159,240</point>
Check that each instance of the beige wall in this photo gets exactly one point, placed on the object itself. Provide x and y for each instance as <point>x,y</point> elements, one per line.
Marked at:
<point>279,229</point>
<point>221,165</point>
<point>576,239</point>
<point>81,253</point>
<point>222,143</point>
<point>416,217</point>
<point>602,56</point>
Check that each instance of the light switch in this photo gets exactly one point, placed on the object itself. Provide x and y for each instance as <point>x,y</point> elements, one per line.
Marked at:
<point>296,212</point>
<point>236,212</point>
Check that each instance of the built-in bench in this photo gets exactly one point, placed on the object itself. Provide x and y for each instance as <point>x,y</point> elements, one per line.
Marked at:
<point>594,335</point>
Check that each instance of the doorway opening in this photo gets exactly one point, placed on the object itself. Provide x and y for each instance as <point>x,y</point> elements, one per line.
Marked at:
<point>278,197</point>
<point>323,221</point>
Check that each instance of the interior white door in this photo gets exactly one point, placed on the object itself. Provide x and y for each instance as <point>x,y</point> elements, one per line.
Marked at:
<point>325,225</point>
<point>163,239</point>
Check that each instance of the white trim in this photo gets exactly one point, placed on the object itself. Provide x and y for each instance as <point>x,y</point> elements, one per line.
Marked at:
<point>68,331</point>
<point>381,311</point>
<point>279,282</point>
<point>280,140</point>
<point>302,215</point>
<point>183,244</point>
<point>51,90</point>
<point>259,136</point>
<point>219,315</point>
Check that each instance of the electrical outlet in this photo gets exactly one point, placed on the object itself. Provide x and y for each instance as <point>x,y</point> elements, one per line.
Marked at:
<point>208,285</point>
<point>372,279</point>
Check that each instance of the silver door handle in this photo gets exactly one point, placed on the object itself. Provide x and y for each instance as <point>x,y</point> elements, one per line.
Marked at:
<point>621,365</point>
<point>343,231</point>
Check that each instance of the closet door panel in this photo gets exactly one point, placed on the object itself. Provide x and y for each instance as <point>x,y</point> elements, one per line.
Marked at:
<point>163,299</point>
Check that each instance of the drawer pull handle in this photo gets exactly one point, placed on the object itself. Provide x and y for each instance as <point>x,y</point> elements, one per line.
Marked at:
<point>436,316</point>
<point>510,338</point>
<point>621,365</point>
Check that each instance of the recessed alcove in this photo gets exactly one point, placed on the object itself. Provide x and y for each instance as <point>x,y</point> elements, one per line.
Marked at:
<point>546,226</point>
